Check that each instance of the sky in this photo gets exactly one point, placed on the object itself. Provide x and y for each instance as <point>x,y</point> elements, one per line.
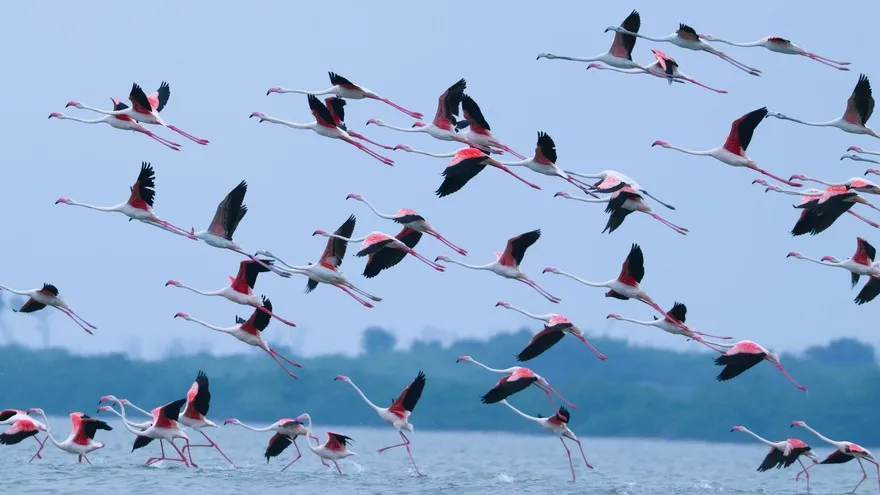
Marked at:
<point>731,269</point>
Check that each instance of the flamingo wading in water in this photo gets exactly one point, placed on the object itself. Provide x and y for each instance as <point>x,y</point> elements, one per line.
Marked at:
<point>555,327</point>
<point>620,53</point>
<point>780,45</point>
<point>783,454</point>
<point>844,452</point>
<point>198,401</point>
<point>48,296</point>
<point>81,440</point>
<point>21,427</point>
<point>516,379</point>
<point>286,432</point>
<point>163,427</point>
<point>123,122</point>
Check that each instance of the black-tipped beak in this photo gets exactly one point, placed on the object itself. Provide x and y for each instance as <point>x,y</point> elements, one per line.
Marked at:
<point>791,426</point>
<point>267,93</point>
<point>732,429</point>
<point>65,106</point>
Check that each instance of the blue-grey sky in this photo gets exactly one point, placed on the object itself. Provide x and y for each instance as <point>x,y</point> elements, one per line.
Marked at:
<point>731,270</point>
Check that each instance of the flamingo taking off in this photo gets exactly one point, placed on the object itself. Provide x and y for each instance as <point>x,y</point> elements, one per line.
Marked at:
<point>516,379</point>
<point>783,454</point>
<point>198,401</point>
<point>380,249</point>
<point>844,452</point>
<point>859,108</point>
<point>686,37</point>
<point>665,67</point>
<point>335,448</point>
<point>324,125</point>
<point>286,432</point>
<point>411,220</point>
<point>612,180</point>
<point>398,413</point>
<point>861,263</point>
<point>123,122</point>
<point>240,290</point>
<point>344,88</point>
<point>558,424</point>
<point>620,53</point>
<point>745,354</point>
<point>48,296</point>
<point>21,427</point>
<point>336,106</point>
<point>555,327</point>
<point>780,45</point>
<point>809,198</point>
<point>621,203</point>
<point>326,270</point>
<point>81,440</point>
<point>163,427</point>
<point>250,332</point>
<point>506,264</point>
<point>479,131</point>
<point>733,152</point>
<point>145,109</point>
<point>140,203</point>
<point>667,324</point>
<point>465,165</point>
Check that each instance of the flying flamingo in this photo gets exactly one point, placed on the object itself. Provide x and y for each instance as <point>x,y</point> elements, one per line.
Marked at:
<point>626,285</point>
<point>123,122</point>
<point>612,180</point>
<point>516,379</point>
<point>48,296</point>
<point>556,326</point>
<point>240,291</point>
<point>398,413</point>
<point>686,37</point>
<point>198,401</point>
<point>783,454</point>
<point>859,108</point>
<point>733,152</point>
<point>250,332</point>
<point>667,324</point>
<point>558,424</point>
<point>465,165</point>
<point>780,45</point>
<point>449,154</point>
<point>145,109</point>
<point>411,220</point>
<point>479,131</point>
<point>845,452</point>
<point>21,429</point>
<point>809,198</point>
<point>652,69</point>
<point>286,432</point>
<point>324,125</point>
<point>379,247</point>
<point>863,159</point>
<point>506,264</point>
<point>620,53</point>
<point>140,203</point>
<point>81,440</point>
<point>620,204</point>
<point>336,106</point>
<point>344,88</point>
<point>163,427</point>
<point>822,212</point>
<point>327,269</point>
<point>335,448</point>
<point>665,67</point>
<point>743,355</point>
<point>544,161</point>
<point>855,183</point>
<point>869,291</point>
<point>861,263</point>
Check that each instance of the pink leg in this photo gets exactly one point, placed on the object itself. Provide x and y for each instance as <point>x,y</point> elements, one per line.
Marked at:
<point>593,348</point>
<point>350,293</point>
<point>428,262</point>
<point>823,61</point>
<point>162,224</point>
<point>581,186</point>
<point>408,451</point>
<point>377,156</point>
<point>878,470</point>
<point>806,473</point>
<point>275,355</point>
<point>541,291</point>
<point>581,447</point>
<point>153,460</point>
<point>37,454</point>
<point>533,186</point>
<point>506,148</point>
<point>869,222</point>
<point>798,385</point>
<point>337,468</point>
<point>446,241</point>
<point>185,233</point>
<point>415,115</point>
<point>68,313</point>
<point>362,292</point>
<point>273,315</point>
<point>723,56</point>
<point>165,142</point>
<point>364,138</point>
<point>864,475</point>
<point>680,230</point>
<point>87,460</point>
<point>315,439</point>
<point>298,455</point>
<point>188,136</point>
<point>264,265</point>
<point>549,389</point>
<point>694,81</point>
<point>570,464</point>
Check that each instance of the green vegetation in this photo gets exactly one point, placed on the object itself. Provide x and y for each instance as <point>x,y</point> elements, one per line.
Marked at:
<point>639,391</point>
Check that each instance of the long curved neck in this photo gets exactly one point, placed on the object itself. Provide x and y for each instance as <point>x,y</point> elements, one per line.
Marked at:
<point>105,112</point>
<point>15,291</point>
<point>624,31</point>
<point>359,239</point>
<point>650,323</point>
<point>131,423</point>
<point>249,427</point>
<point>208,325</point>
<point>204,293</point>
<point>822,437</point>
<point>304,92</point>
<point>575,277</point>
<point>49,430</point>
<point>796,193</point>
<point>760,439</point>
<point>530,315</point>
<point>830,123</point>
<point>589,200</point>
<point>521,163</point>
<point>84,121</point>
<point>826,263</point>
<point>309,437</point>
<point>369,403</point>
<point>404,129</point>
<point>125,421</point>
<point>377,212</point>
<point>466,265</point>
<point>746,44</point>
<point>597,58</point>
<point>99,208</point>
<point>493,370</point>
<point>138,409</point>
<point>288,123</point>
<point>435,155</point>
<point>820,181</point>
<point>690,152</point>
<point>531,418</point>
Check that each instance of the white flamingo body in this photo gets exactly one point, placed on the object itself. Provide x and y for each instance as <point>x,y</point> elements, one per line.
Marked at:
<point>122,122</point>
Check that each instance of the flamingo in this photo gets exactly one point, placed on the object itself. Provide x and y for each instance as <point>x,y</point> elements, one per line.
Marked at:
<point>465,165</point>
<point>229,214</point>
<point>163,427</point>
<point>544,161</point>
<point>286,432</point>
<point>620,204</point>
<point>16,434</point>
<point>869,291</point>
<point>809,198</point>
<point>411,220</point>
<point>668,325</point>
<point>336,106</point>
<point>327,269</point>
<point>780,45</point>
<point>861,263</point>
<point>335,448</point>
<point>859,108</point>
<point>139,426</point>
<point>844,452</point>
<point>344,88</point>
<point>398,413</point>
<point>380,249</point>
<point>686,37</point>
<point>324,125</point>
<point>652,69</point>
<point>449,154</point>
<point>506,264</point>
<point>821,212</point>
<point>48,296</point>
<point>240,291</point>
<point>123,122</point>
<point>557,424</point>
<point>556,326</point>
<point>626,285</point>
<point>612,180</point>
<point>145,109</point>
<point>863,159</point>
<point>198,401</point>
<point>250,332</point>
<point>783,454</point>
<point>744,354</point>
<point>139,205</point>
<point>479,131</point>
<point>733,152</point>
<point>516,379</point>
<point>81,440</point>
<point>855,183</point>
<point>620,53</point>
<point>664,66</point>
